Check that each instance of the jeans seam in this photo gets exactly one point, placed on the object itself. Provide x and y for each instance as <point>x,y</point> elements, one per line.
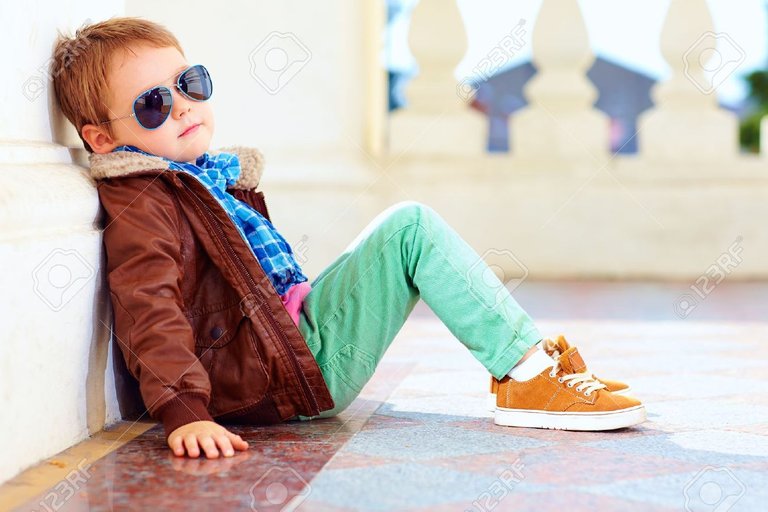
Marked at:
<point>332,364</point>
<point>466,281</point>
<point>365,273</point>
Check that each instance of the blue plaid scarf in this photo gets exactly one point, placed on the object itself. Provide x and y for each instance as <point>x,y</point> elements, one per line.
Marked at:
<point>216,173</point>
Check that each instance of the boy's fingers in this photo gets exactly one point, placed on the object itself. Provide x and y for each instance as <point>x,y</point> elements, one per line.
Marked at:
<point>237,441</point>
<point>176,445</point>
<point>190,441</point>
<point>225,446</point>
<point>209,446</point>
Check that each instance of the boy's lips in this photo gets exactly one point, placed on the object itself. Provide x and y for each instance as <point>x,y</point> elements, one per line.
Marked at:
<point>191,129</point>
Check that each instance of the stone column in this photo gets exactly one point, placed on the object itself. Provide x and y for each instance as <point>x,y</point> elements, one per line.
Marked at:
<point>55,381</point>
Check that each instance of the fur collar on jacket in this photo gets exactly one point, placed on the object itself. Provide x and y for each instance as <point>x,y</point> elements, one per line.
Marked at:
<point>123,163</point>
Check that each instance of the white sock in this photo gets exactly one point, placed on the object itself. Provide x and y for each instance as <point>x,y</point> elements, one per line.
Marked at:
<point>531,367</point>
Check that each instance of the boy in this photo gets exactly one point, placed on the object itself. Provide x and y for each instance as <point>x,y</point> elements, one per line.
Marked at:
<point>213,314</point>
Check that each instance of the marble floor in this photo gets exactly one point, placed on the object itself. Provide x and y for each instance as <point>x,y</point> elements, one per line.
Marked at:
<point>420,439</point>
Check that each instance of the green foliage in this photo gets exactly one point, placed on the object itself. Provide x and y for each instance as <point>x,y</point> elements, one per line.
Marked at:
<point>749,129</point>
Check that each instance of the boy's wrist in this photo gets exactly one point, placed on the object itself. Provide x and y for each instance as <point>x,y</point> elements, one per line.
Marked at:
<point>184,408</point>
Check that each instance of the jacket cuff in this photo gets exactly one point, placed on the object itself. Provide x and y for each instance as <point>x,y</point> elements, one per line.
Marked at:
<point>183,409</point>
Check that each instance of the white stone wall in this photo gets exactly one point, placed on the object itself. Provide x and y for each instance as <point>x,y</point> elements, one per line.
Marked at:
<point>56,382</point>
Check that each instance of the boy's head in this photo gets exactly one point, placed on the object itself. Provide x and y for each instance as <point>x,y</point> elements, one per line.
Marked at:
<point>100,72</point>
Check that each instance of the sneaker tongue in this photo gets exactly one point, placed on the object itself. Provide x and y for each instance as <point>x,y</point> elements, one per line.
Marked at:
<point>571,361</point>
<point>558,344</point>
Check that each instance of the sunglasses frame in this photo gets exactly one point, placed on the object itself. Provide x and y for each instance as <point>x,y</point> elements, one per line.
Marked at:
<point>177,85</point>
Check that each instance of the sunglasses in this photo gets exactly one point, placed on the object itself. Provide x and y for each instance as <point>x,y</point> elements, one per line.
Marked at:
<point>152,107</point>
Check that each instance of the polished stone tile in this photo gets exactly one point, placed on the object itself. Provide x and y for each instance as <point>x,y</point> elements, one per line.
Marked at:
<point>705,488</point>
<point>433,440</point>
<point>382,487</point>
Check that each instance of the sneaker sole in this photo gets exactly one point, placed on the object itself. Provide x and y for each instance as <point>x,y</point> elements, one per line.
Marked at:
<point>491,398</point>
<point>586,421</point>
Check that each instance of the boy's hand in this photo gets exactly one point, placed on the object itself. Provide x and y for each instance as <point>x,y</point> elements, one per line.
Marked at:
<point>206,435</point>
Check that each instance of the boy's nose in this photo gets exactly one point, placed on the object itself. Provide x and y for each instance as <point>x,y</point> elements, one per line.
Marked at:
<point>181,104</point>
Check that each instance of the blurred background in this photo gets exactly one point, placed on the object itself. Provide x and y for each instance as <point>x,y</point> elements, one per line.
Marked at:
<point>608,141</point>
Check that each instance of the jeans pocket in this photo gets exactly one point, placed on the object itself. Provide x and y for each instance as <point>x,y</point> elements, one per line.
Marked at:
<point>352,365</point>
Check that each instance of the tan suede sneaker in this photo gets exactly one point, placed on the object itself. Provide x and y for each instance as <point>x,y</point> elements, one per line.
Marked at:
<point>564,397</point>
<point>554,348</point>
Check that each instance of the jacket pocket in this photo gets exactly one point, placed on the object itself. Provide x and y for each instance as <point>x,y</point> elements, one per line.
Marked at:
<point>239,378</point>
<point>215,326</point>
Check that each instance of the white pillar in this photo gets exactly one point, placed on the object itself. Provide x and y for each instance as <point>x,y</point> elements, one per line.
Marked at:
<point>56,385</point>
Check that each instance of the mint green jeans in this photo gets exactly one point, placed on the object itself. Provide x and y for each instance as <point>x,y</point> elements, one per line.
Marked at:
<point>361,300</point>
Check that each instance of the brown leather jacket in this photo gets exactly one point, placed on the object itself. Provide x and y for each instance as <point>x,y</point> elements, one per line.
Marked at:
<point>199,324</point>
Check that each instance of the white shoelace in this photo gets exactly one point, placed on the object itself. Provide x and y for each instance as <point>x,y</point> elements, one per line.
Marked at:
<point>586,381</point>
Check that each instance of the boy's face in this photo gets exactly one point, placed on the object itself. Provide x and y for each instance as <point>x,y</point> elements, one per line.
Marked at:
<point>133,72</point>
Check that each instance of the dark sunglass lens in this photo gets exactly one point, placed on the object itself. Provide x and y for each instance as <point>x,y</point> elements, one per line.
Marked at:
<point>152,107</point>
<point>196,83</point>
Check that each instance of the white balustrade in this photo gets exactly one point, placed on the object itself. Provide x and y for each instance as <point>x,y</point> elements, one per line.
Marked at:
<point>560,121</point>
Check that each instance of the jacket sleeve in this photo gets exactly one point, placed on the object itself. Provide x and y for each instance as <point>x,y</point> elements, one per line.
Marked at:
<point>144,269</point>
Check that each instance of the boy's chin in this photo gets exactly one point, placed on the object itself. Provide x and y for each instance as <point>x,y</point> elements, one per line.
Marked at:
<point>191,153</point>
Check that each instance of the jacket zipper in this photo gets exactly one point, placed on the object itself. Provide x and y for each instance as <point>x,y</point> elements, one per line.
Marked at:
<point>305,388</point>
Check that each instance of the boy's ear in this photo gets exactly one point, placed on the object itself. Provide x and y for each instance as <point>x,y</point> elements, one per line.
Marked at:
<point>97,138</point>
